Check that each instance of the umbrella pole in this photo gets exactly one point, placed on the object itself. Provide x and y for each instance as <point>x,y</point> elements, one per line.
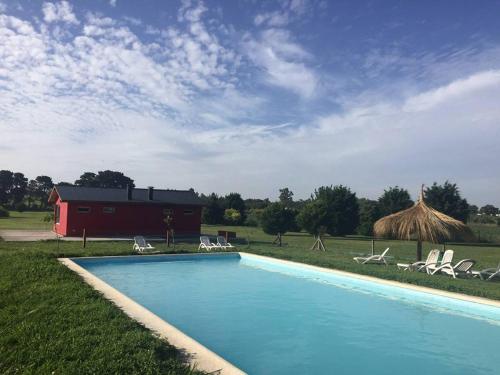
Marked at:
<point>419,250</point>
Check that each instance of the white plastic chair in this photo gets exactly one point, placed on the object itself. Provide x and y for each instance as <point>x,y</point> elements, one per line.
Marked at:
<point>141,246</point>
<point>488,273</point>
<point>447,259</point>
<point>206,244</point>
<point>378,259</point>
<point>431,258</point>
<point>462,268</point>
<point>221,242</point>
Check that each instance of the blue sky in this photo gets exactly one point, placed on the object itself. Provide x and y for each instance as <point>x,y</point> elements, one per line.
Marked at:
<point>252,96</point>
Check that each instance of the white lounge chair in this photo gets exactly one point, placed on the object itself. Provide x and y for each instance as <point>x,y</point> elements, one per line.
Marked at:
<point>431,258</point>
<point>488,273</point>
<point>206,244</point>
<point>462,268</point>
<point>221,242</point>
<point>447,259</point>
<point>379,259</point>
<point>141,246</point>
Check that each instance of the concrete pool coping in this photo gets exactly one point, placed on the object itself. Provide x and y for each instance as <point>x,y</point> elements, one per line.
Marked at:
<point>195,353</point>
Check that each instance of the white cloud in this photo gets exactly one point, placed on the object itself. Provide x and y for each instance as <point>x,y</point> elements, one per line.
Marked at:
<point>454,90</point>
<point>283,62</point>
<point>112,3</point>
<point>3,7</point>
<point>59,12</point>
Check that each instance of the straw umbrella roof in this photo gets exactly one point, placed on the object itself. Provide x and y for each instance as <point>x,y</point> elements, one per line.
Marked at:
<point>421,223</point>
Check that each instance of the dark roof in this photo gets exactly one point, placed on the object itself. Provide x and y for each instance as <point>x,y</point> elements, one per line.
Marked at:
<point>89,194</point>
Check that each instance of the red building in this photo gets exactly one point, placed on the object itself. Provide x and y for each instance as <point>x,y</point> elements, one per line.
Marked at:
<point>130,211</point>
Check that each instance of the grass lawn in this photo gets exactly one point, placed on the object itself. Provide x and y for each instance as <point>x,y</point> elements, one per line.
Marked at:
<point>25,220</point>
<point>51,321</point>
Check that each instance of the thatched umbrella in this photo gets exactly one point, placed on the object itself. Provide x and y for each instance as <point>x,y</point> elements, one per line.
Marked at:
<point>421,223</point>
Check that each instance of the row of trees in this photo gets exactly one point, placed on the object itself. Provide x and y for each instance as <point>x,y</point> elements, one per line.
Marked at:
<point>20,193</point>
<point>335,210</point>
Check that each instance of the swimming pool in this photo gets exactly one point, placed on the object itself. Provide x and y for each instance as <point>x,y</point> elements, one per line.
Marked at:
<point>271,317</point>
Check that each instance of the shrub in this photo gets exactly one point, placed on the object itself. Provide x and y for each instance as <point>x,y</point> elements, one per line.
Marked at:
<point>232,216</point>
<point>4,212</point>
<point>49,218</point>
<point>253,217</point>
<point>276,218</point>
<point>20,207</point>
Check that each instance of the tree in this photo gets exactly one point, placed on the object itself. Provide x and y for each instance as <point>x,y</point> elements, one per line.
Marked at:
<point>369,213</point>
<point>40,189</point>
<point>105,179</point>
<point>234,201</point>
<point>393,200</point>
<point>19,186</point>
<point>489,209</point>
<point>64,183</point>
<point>232,216</point>
<point>113,179</point>
<point>335,209</point>
<point>286,197</point>
<point>253,203</point>
<point>6,181</point>
<point>473,209</point>
<point>446,198</point>
<point>87,179</point>
<point>277,219</point>
<point>213,212</point>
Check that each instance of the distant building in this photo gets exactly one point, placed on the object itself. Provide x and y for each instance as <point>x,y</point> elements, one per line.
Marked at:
<point>114,212</point>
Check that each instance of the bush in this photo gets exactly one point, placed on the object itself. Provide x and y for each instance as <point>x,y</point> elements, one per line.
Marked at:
<point>20,207</point>
<point>253,217</point>
<point>4,212</point>
<point>49,218</point>
<point>232,216</point>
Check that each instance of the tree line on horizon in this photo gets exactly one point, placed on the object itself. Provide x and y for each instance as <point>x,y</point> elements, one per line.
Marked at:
<point>335,210</point>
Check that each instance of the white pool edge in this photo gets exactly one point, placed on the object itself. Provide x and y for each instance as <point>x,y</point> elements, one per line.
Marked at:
<point>195,353</point>
<point>417,288</point>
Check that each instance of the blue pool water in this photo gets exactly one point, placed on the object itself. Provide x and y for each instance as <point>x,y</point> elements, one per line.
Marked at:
<point>270,318</point>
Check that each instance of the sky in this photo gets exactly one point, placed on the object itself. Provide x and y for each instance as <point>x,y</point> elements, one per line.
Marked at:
<point>253,96</point>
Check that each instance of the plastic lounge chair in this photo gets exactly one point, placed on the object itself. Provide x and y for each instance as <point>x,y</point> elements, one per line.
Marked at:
<point>221,242</point>
<point>378,259</point>
<point>431,258</point>
<point>141,246</point>
<point>462,268</point>
<point>488,273</point>
<point>206,244</point>
<point>447,259</point>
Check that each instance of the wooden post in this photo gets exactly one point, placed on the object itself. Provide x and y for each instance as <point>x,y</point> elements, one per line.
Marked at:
<point>373,247</point>
<point>84,238</point>
<point>444,246</point>
<point>168,237</point>
<point>318,244</point>
<point>227,235</point>
<point>419,250</point>
<point>279,239</point>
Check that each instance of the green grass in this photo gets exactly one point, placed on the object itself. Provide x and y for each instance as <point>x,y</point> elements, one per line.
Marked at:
<point>25,220</point>
<point>52,322</point>
<point>486,232</point>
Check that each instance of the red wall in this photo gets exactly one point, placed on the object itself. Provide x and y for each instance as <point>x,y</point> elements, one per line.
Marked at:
<point>61,227</point>
<point>128,219</point>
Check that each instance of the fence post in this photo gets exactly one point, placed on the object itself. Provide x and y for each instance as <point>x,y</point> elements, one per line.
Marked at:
<point>84,238</point>
<point>373,246</point>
